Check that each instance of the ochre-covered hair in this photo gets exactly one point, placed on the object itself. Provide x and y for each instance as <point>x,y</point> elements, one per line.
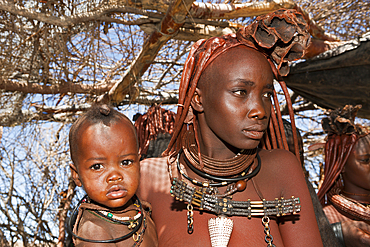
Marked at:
<point>281,36</point>
<point>342,135</point>
<point>156,120</point>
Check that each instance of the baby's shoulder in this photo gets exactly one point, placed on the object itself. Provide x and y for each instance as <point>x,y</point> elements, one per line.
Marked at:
<point>90,224</point>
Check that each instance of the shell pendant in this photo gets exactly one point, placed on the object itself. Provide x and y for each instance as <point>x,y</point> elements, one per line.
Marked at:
<point>220,229</point>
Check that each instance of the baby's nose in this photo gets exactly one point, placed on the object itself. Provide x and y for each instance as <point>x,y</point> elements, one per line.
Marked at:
<point>114,177</point>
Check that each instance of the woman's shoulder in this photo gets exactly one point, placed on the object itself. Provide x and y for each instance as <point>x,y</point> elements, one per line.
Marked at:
<point>279,158</point>
<point>333,214</point>
<point>149,163</point>
<point>281,172</point>
<point>154,167</point>
<point>154,177</point>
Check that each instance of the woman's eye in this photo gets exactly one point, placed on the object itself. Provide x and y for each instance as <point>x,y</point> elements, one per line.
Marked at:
<point>96,167</point>
<point>240,92</point>
<point>126,162</point>
<point>267,95</point>
<point>366,161</point>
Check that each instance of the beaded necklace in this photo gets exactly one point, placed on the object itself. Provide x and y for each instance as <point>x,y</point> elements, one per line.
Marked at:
<point>222,181</point>
<point>349,206</point>
<point>133,223</point>
<point>215,167</point>
<point>127,220</point>
<point>202,198</point>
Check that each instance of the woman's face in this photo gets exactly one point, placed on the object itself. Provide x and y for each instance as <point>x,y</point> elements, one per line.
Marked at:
<point>356,172</point>
<point>235,97</point>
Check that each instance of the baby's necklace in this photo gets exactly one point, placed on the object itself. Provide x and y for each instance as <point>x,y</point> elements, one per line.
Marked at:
<point>127,220</point>
<point>134,226</point>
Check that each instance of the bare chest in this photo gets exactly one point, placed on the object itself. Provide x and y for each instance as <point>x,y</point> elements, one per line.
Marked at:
<point>171,218</point>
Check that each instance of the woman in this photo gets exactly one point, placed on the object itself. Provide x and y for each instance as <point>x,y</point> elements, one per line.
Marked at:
<point>345,190</point>
<point>226,180</point>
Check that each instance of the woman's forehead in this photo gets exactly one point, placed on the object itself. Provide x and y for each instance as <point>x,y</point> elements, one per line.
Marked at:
<point>237,58</point>
<point>241,51</point>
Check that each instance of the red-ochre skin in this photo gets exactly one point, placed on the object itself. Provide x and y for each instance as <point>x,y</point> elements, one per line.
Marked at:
<point>233,106</point>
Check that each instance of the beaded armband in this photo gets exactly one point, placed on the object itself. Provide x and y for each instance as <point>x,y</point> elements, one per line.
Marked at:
<point>201,199</point>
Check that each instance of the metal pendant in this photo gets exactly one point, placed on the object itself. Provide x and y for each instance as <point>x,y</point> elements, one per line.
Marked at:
<point>220,229</point>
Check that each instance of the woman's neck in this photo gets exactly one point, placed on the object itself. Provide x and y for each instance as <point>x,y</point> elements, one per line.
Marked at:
<point>216,149</point>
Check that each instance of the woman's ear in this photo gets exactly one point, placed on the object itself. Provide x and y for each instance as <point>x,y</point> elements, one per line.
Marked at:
<point>75,176</point>
<point>196,100</point>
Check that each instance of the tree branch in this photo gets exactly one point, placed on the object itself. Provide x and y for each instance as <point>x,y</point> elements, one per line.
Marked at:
<point>173,20</point>
<point>232,11</point>
<point>10,118</point>
<point>60,88</point>
<point>100,14</point>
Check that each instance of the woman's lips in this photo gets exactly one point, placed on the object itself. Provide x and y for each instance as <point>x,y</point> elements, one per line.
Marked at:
<point>116,191</point>
<point>253,134</point>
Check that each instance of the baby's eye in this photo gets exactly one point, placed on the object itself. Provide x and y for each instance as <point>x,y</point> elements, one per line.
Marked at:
<point>126,162</point>
<point>267,95</point>
<point>96,167</point>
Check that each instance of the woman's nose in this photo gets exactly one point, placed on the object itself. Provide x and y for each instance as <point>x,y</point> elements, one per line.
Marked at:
<point>257,110</point>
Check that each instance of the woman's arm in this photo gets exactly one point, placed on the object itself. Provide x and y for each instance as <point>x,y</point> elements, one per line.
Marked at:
<point>287,174</point>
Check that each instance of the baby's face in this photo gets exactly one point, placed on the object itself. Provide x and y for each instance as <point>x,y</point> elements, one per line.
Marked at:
<point>108,163</point>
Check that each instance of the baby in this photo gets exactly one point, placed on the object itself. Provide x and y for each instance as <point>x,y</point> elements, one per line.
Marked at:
<point>104,152</point>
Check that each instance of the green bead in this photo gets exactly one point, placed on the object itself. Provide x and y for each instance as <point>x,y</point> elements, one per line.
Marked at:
<point>110,215</point>
<point>171,191</point>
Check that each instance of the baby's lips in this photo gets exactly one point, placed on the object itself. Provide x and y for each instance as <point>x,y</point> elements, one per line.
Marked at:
<point>116,191</point>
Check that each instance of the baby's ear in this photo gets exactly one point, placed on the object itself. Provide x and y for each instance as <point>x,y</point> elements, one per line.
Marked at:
<point>75,176</point>
<point>196,100</point>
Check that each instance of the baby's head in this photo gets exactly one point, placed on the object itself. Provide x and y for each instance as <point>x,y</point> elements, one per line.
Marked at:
<point>104,151</point>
